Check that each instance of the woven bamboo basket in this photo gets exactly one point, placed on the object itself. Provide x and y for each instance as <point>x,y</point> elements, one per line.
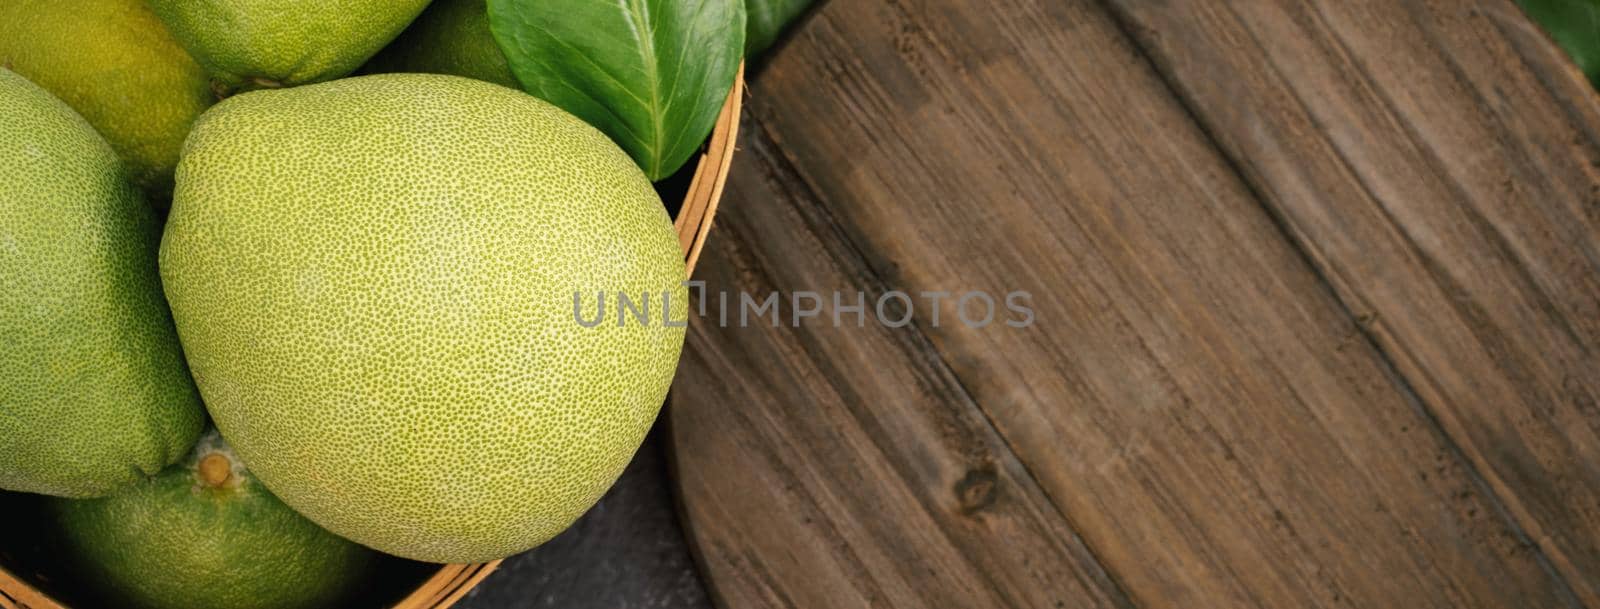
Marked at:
<point>693,224</point>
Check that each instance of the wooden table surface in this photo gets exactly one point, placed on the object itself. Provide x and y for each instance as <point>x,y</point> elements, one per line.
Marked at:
<point>1316,293</point>
<point>1317,296</point>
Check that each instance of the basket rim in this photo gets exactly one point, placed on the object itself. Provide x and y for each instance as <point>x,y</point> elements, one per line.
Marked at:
<point>693,226</point>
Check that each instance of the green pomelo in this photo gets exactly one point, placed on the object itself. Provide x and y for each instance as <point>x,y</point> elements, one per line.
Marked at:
<point>93,391</point>
<point>374,282</point>
<point>205,534</point>
<point>450,37</point>
<point>116,64</point>
<point>252,44</point>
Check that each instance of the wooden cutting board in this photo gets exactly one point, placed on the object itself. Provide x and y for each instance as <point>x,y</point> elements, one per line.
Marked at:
<point>1317,307</point>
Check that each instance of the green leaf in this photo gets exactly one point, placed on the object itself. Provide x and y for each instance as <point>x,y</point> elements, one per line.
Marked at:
<point>767,20</point>
<point>652,74</point>
<point>1575,25</point>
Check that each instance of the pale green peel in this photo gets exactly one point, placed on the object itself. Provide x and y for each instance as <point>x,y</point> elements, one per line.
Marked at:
<point>94,395</point>
<point>373,279</point>
<point>253,44</point>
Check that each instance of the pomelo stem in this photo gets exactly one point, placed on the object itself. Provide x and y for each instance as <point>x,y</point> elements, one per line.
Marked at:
<point>215,470</point>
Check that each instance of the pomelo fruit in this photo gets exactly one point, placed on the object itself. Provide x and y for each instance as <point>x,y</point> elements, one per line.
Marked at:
<point>251,44</point>
<point>93,390</point>
<point>374,281</point>
<point>116,64</point>
<point>450,37</point>
<point>205,534</point>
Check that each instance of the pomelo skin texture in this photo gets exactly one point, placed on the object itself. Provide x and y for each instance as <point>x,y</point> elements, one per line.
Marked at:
<point>374,279</point>
<point>204,534</point>
<point>450,37</point>
<point>116,64</point>
<point>94,395</point>
<point>251,44</point>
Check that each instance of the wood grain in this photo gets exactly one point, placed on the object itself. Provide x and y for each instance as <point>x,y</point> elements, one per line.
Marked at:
<point>1193,403</point>
<point>875,481</point>
<point>1438,161</point>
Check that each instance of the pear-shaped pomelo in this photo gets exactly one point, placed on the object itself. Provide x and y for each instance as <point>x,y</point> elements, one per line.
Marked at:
<point>93,391</point>
<point>252,44</point>
<point>374,280</point>
<point>204,534</point>
<point>116,64</point>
